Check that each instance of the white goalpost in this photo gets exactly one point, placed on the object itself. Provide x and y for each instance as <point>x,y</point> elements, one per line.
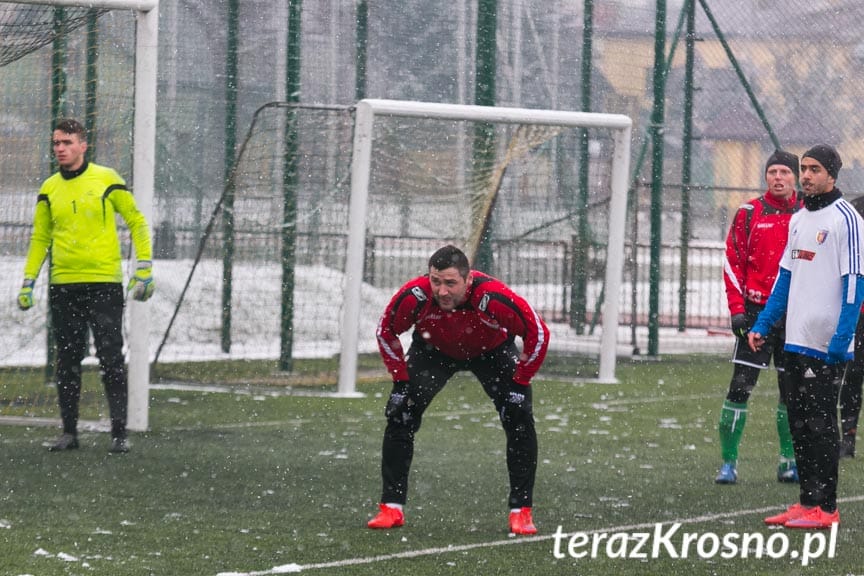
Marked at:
<point>143,166</point>
<point>366,113</point>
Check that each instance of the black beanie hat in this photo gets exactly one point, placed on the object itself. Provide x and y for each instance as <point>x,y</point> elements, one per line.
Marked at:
<point>784,159</point>
<point>827,156</point>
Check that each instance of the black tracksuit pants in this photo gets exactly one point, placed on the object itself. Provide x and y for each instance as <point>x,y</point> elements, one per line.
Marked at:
<point>74,309</point>
<point>813,389</point>
<point>429,370</point>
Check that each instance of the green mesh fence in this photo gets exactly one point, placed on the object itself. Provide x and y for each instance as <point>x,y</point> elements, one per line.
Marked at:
<point>798,60</point>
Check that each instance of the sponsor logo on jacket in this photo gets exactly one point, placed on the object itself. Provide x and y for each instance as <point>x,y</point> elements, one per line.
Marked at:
<point>803,255</point>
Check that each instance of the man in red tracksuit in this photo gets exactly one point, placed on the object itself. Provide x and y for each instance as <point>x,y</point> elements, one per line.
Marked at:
<point>462,320</point>
<point>754,246</point>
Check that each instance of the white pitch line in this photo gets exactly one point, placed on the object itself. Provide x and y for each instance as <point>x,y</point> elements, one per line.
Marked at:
<point>240,391</point>
<point>600,404</point>
<point>102,426</point>
<point>293,568</point>
<point>87,425</point>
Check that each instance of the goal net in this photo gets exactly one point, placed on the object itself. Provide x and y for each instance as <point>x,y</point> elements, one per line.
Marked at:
<point>288,190</point>
<point>332,209</point>
<point>490,179</point>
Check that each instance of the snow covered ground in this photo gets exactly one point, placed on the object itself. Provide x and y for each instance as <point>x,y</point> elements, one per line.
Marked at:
<point>256,304</point>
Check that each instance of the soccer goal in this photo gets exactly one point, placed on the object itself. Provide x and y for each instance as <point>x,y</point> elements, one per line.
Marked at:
<point>28,25</point>
<point>425,174</point>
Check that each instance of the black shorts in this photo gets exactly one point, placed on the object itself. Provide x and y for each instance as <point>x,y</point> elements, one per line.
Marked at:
<point>773,347</point>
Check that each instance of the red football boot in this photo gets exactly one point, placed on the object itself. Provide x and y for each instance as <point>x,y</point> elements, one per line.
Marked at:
<point>521,522</point>
<point>794,511</point>
<point>815,519</point>
<point>387,518</point>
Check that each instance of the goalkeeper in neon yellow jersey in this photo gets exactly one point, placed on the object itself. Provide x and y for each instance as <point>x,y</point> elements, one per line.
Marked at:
<point>74,223</point>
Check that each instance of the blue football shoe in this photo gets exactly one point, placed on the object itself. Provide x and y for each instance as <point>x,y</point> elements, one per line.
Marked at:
<point>787,472</point>
<point>728,474</point>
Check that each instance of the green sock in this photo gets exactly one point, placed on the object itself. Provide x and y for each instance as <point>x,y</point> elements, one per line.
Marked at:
<point>733,416</point>
<point>787,451</point>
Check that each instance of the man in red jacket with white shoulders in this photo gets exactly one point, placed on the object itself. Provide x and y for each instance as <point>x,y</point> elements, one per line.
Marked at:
<point>754,246</point>
<point>462,320</point>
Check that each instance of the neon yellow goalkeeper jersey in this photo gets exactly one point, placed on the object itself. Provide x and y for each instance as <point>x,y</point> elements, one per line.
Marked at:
<point>75,220</point>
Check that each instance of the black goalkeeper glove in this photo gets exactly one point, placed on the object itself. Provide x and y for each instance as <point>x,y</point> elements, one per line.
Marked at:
<point>740,325</point>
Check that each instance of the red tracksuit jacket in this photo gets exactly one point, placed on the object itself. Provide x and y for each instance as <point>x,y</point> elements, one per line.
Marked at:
<point>491,314</point>
<point>754,246</point>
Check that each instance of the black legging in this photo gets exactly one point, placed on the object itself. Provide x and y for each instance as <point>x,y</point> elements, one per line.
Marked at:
<point>744,379</point>
<point>745,376</point>
<point>429,370</point>
<point>74,309</point>
<point>850,394</point>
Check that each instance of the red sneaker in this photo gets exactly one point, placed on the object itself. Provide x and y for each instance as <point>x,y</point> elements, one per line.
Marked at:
<point>794,511</point>
<point>521,522</point>
<point>388,517</point>
<point>815,519</point>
